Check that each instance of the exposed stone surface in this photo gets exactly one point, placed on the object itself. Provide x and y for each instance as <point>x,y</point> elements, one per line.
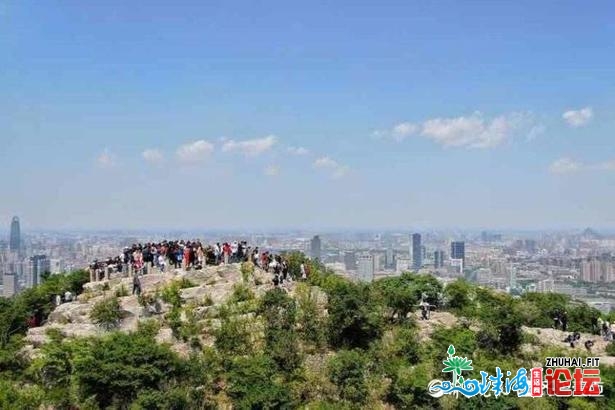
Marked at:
<point>213,287</point>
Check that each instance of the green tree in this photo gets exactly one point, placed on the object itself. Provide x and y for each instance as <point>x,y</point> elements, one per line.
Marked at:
<point>279,312</point>
<point>354,319</point>
<point>458,295</point>
<point>310,319</point>
<point>119,367</point>
<point>254,384</point>
<point>107,313</point>
<point>347,370</point>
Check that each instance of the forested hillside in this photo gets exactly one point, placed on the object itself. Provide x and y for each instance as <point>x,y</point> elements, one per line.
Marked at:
<point>225,337</point>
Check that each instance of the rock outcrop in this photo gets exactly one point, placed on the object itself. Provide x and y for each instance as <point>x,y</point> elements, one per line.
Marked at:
<point>212,286</point>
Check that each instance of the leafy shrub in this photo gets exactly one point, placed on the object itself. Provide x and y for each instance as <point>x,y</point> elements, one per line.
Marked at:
<point>121,291</point>
<point>107,313</point>
<point>347,370</point>
<point>279,313</point>
<point>172,294</point>
<point>207,301</point>
<point>253,384</point>
<point>184,283</point>
<point>233,338</point>
<point>241,293</point>
<point>310,319</point>
<point>247,270</point>
<point>354,319</point>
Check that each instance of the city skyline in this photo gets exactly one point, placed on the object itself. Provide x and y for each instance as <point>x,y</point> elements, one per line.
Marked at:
<point>202,116</point>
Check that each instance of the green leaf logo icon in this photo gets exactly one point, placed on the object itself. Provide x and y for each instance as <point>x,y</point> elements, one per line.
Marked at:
<point>451,350</point>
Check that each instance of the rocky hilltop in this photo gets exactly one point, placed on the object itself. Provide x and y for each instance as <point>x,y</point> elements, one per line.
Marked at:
<point>204,291</point>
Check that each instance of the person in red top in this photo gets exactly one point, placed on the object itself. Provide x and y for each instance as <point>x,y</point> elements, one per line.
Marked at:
<point>226,250</point>
<point>186,257</point>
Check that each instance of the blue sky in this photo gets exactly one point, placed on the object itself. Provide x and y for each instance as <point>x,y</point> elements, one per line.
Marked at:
<point>405,114</point>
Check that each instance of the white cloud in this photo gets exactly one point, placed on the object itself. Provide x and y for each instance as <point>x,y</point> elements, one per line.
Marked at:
<point>535,132</point>
<point>154,156</point>
<point>195,151</point>
<point>337,170</point>
<point>607,166</point>
<point>398,133</point>
<point>578,118</point>
<point>325,162</point>
<point>403,130</point>
<point>250,148</point>
<point>565,165</point>
<point>474,131</point>
<point>106,159</point>
<point>271,170</point>
<point>298,150</point>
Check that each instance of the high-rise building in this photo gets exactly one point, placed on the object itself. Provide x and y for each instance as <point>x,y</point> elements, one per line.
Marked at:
<point>390,258</point>
<point>438,259</point>
<point>366,267</point>
<point>315,247</point>
<point>38,265</point>
<point>9,283</point>
<point>15,237</point>
<point>417,254</point>
<point>350,261</point>
<point>458,250</point>
<point>458,255</point>
<point>378,261</point>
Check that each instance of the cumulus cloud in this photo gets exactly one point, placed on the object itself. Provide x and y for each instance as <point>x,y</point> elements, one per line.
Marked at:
<point>106,159</point>
<point>298,150</point>
<point>565,165</point>
<point>250,148</point>
<point>194,151</point>
<point>578,118</point>
<point>336,169</point>
<point>271,170</point>
<point>474,131</point>
<point>398,132</point>
<point>154,156</point>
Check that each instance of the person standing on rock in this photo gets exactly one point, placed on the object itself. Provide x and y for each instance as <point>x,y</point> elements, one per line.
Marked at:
<point>161,262</point>
<point>136,285</point>
<point>564,320</point>
<point>284,270</point>
<point>303,271</point>
<point>226,250</point>
<point>200,257</point>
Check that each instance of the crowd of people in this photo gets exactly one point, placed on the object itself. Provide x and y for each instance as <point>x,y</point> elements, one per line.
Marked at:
<point>139,259</point>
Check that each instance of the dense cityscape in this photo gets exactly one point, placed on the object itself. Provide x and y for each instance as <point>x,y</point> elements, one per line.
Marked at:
<point>576,263</point>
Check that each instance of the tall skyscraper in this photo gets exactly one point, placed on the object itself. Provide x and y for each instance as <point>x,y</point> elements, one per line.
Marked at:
<point>350,261</point>
<point>438,259</point>
<point>9,283</point>
<point>15,237</point>
<point>315,247</point>
<point>390,258</point>
<point>39,264</point>
<point>417,252</point>
<point>366,267</point>
<point>458,250</point>
<point>458,255</point>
